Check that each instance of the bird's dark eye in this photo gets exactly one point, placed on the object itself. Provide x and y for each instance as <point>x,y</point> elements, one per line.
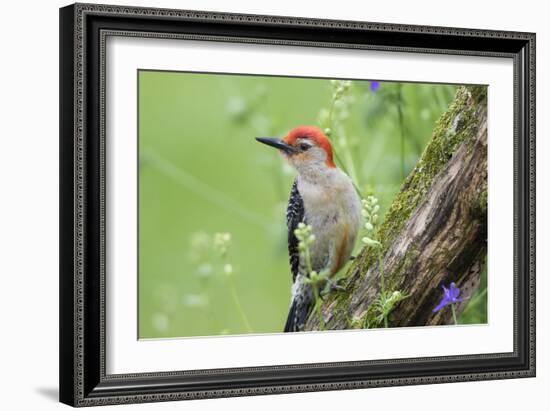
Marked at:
<point>304,146</point>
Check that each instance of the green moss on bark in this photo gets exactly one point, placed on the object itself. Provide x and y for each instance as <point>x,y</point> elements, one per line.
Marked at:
<point>479,93</point>
<point>483,201</point>
<point>453,128</point>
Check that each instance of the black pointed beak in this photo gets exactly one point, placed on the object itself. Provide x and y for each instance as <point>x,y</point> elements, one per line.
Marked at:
<point>277,143</point>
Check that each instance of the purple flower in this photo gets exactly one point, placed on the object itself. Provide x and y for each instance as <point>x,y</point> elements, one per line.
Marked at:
<point>450,296</point>
<point>374,86</point>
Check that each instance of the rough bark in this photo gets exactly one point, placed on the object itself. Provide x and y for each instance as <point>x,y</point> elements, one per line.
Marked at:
<point>435,231</point>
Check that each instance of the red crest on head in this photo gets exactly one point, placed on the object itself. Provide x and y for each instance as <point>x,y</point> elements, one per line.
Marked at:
<point>315,135</point>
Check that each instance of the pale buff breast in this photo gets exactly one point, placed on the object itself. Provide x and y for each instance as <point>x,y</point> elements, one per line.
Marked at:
<point>333,209</point>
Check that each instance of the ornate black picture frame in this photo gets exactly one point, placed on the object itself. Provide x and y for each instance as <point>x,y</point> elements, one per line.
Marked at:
<point>83,30</point>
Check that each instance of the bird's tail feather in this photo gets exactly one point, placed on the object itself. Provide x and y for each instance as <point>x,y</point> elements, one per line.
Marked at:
<point>301,306</point>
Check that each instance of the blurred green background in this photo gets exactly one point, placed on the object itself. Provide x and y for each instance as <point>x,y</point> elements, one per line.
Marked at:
<point>201,172</point>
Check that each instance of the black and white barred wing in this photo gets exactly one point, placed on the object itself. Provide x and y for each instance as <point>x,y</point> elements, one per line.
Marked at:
<point>294,216</point>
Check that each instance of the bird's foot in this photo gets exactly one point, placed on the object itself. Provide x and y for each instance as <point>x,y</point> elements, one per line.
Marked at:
<point>333,286</point>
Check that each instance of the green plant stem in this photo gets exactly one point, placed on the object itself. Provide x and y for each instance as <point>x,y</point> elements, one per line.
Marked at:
<point>349,158</point>
<point>401,128</point>
<point>339,159</point>
<point>238,305</point>
<point>474,301</point>
<point>315,288</point>
<point>353,173</point>
<point>235,297</point>
<point>317,306</point>
<point>454,314</point>
<point>331,112</point>
<point>206,191</point>
<point>382,285</point>
<point>208,309</point>
<point>308,260</point>
<point>381,268</point>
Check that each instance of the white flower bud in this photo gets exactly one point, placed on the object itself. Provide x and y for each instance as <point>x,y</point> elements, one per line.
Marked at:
<point>370,242</point>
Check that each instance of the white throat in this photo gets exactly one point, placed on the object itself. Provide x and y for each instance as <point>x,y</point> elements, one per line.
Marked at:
<point>315,173</point>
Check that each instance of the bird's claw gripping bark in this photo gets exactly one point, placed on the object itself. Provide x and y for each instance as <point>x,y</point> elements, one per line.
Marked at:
<point>332,286</point>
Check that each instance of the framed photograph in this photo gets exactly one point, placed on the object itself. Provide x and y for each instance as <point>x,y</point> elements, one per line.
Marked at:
<point>261,204</point>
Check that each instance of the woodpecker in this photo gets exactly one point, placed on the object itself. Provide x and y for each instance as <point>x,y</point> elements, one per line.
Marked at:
<point>323,197</point>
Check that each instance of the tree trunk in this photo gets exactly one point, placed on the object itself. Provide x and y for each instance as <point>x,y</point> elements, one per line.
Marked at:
<point>434,233</point>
